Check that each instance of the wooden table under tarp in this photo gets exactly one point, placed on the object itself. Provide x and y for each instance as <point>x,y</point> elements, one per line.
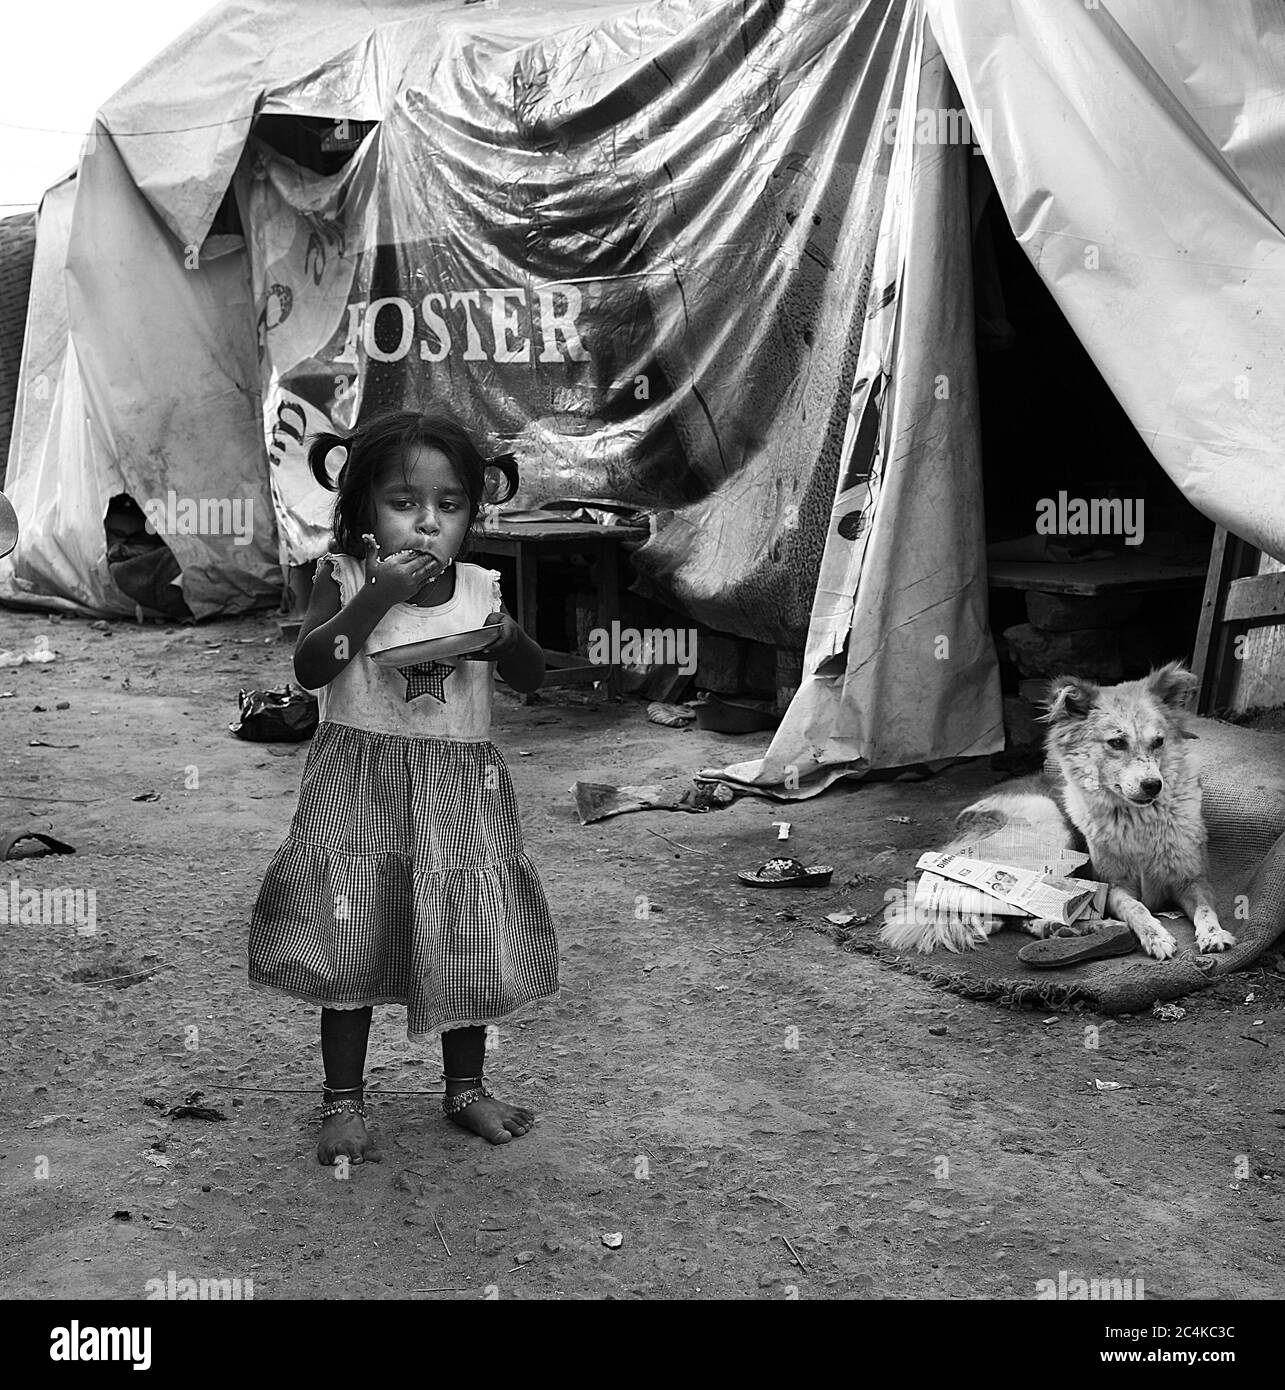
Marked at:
<point>527,542</point>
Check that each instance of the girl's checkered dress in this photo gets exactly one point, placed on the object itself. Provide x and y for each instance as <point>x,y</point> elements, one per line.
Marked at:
<point>403,879</point>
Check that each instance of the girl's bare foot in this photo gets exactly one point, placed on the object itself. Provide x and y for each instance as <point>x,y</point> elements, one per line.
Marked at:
<point>345,1136</point>
<point>494,1120</point>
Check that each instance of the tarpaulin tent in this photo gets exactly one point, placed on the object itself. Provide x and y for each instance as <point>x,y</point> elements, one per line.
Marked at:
<point>710,257</point>
<point>1136,150</point>
<point>630,244</point>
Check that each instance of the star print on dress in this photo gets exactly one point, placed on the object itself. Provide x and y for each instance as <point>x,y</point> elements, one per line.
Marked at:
<point>428,678</point>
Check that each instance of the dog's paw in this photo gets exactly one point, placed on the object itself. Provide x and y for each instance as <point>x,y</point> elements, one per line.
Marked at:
<point>1158,942</point>
<point>1213,939</point>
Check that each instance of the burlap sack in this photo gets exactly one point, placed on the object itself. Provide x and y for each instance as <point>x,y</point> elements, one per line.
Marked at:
<point>1243,776</point>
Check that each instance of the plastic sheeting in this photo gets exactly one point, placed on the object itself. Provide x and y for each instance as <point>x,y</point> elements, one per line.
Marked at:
<point>148,355</point>
<point>652,248</point>
<point>50,425</point>
<point>139,371</point>
<point>900,666</point>
<point>631,244</point>
<point>630,252</point>
<point>1137,152</point>
<point>307,234</point>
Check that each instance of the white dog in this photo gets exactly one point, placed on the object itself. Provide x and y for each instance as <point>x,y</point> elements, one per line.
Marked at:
<point>1125,784</point>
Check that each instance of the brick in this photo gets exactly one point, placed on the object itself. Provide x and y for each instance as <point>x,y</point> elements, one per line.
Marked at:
<point>1034,689</point>
<point>1020,727</point>
<point>1091,653</point>
<point>760,668</point>
<point>718,662</point>
<point>1075,612</point>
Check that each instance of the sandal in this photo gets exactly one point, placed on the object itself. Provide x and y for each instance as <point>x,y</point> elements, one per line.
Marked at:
<point>1054,952</point>
<point>51,846</point>
<point>787,873</point>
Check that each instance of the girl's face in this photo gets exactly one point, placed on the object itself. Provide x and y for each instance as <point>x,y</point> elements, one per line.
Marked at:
<point>421,505</point>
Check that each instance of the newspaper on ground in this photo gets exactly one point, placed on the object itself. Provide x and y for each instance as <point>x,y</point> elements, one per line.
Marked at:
<point>937,897</point>
<point>1025,847</point>
<point>1051,897</point>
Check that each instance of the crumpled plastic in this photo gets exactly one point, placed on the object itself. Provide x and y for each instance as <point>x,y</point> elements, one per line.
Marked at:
<point>287,715</point>
<point>40,652</point>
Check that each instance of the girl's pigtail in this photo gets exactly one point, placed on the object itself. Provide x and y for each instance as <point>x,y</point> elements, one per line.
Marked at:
<point>318,459</point>
<point>507,466</point>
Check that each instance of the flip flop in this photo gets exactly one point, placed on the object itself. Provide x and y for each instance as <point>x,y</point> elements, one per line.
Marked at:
<point>1055,952</point>
<point>51,846</point>
<point>787,873</point>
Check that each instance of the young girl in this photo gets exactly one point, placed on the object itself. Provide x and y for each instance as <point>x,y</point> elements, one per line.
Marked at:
<point>403,879</point>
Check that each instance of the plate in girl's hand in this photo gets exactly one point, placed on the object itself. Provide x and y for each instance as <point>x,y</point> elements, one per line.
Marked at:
<point>437,648</point>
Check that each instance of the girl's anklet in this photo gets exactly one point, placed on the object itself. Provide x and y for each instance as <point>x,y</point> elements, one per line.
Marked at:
<point>344,1107</point>
<point>452,1105</point>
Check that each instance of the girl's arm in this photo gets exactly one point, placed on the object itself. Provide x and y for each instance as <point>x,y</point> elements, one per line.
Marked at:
<point>332,634</point>
<point>521,667</point>
<point>519,660</point>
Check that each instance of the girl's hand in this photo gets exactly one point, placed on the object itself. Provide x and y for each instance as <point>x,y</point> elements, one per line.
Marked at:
<point>504,645</point>
<point>400,576</point>
<point>520,660</point>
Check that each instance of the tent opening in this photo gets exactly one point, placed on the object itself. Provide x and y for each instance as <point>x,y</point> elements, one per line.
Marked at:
<point>1097,561</point>
<point>142,566</point>
<point>323,144</point>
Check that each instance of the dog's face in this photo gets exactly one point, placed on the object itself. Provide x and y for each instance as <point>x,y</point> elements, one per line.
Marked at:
<point>1122,739</point>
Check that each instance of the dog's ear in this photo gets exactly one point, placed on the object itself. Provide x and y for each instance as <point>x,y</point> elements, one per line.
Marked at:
<point>1172,684</point>
<point>1068,697</point>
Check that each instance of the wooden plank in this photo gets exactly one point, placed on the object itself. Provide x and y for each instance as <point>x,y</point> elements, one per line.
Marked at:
<point>608,565</point>
<point>493,545</point>
<point>569,668</point>
<point>1210,620</point>
<point>1239,665</point>
<point>573,675</point>
<point>1240,560</point>
<point>564,668</point>
<point>1258,671</point>
<point>558,660</point>
<point>534,532</point>
<point>528,609</point>
<point>1256,596</point>
<point>1090,577</point>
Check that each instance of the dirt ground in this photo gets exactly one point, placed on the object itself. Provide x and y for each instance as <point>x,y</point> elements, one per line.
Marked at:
<point>757,1113</point>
